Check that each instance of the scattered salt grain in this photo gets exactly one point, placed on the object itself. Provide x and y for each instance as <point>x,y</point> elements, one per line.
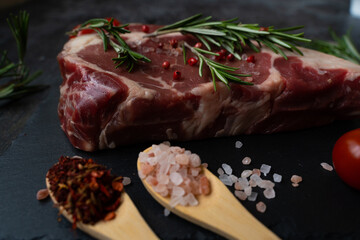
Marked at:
<point>248,191</point>
<point>246,173</point>
<point>261,207</point>
<point>277,178</point>
<point>252,183</point>
<point>126,181</point>
<point>327,166</point>
<point>252,196</point>
<point>295,179</point>
<point>256,171</point>
<point>269,193</point>
<point>243,182</point>
<point>233,178</point>
<point>241,195</point>
<point>265,169</point>
<point>220,171</point>
<point>42,194</point>
<point>166,212</point>
<point>246,161</point>
<point>225,179</point>
<point>266,184</point>
<point>238,144</point>
<point>228,170</point>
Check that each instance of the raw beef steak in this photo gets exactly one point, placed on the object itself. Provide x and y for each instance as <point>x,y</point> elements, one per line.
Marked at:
<point>103,107</point>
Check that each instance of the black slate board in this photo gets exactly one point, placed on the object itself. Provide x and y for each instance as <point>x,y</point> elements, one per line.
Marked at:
<point>31,141</point>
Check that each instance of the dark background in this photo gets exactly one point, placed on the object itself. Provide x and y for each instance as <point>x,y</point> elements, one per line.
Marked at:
<point>31,140</point>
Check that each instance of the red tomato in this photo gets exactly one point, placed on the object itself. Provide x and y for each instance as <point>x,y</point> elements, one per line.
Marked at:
<point>346,158</point>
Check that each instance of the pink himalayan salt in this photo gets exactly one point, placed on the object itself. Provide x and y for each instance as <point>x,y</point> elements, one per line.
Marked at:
<point>246,161</point>
<point>174,172</point>
<point>256,171</point>
<point>327,166</point>
<point>296,179</point>
<point>261,207</point>
<point>241,195</point>
<point>42,194</point>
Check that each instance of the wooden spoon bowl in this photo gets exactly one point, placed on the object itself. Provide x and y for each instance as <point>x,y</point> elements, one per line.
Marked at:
<point>219,212</point>
<point>128,223</point>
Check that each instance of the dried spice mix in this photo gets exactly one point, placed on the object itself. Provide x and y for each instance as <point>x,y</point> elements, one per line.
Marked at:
<point>85,189</point>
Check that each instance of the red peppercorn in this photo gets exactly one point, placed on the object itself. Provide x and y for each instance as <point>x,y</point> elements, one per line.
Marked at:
<point>223,51</point>
<point>250,59</point>
<point>192,61</point>
<point>166,64</point>
<point>198,45</point>
<point>263,29</point>
<point>145,28</point>
<point>177,75</point>
<point>173,43</point>
<point>230,57</point>
<point>160,45</point>
<point>221,55</point>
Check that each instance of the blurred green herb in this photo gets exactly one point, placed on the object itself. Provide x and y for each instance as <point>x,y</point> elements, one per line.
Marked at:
<point>233,36</point>
<point>342,47</point>
<point>16,75</point>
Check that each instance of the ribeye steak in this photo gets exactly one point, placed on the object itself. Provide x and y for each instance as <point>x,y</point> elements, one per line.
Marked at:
<point>103,107</point>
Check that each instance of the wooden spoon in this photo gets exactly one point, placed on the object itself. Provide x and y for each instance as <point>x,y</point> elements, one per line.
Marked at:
<point>219,212</point>
<point>128,223</point>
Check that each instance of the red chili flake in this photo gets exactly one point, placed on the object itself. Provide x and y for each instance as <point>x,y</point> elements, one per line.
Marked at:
<point>198,45</point>
<point>166,64</point>
<point>42,194</point>
<point>160,45</point>
<point>85,31</point>
<point>192,61</point>
<point>230,57</point>
<point>250,59</point>
<point>173,42</point>
<point>84,189</point>
<point>263,29</point>
<point>117,186</point>
<point>145,28</point>
<point>177,75</point>
<point>109,216</point>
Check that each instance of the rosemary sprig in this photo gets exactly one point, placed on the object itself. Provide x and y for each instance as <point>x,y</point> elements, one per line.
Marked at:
<point>342,47</point>
<point>224,73</point>
<point>110,34</point>
<point>17,75</point>
<point>233,36</point>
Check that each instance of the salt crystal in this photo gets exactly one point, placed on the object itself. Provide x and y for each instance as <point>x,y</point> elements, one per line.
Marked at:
<point>256,171</point>
<point>248,190</point>
<point>182,159</point>
<point>243,182</point>
<point>238,186</point>
<point>246,173</point>
<point>191,200</point>
<point>295,184</point>
<point>177,191</point>
<point>220,171</point>
<point>195,172</point>
<point>266,184</point>
<point>195,160</point>
<point>176,178</point>
<point>327,166</point>
<point>160,188</point>
<point>163,179</point>
<point>252,183</point>
<point>265,169</point>
<point>252,196</point>
<point>166,212</point>
<point>246,161</point>
<point>240,194</point>
<point>233,178</point>
<point>257,179</point>
<point>277,178</point>
<point>175,201</point>
<point>126,181</point>
<point>238,144</point>
<point>227,168</point>
<point>261,207</point>
<point>296,179</point>
<point>269,193</point>
<point>226,179</point>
